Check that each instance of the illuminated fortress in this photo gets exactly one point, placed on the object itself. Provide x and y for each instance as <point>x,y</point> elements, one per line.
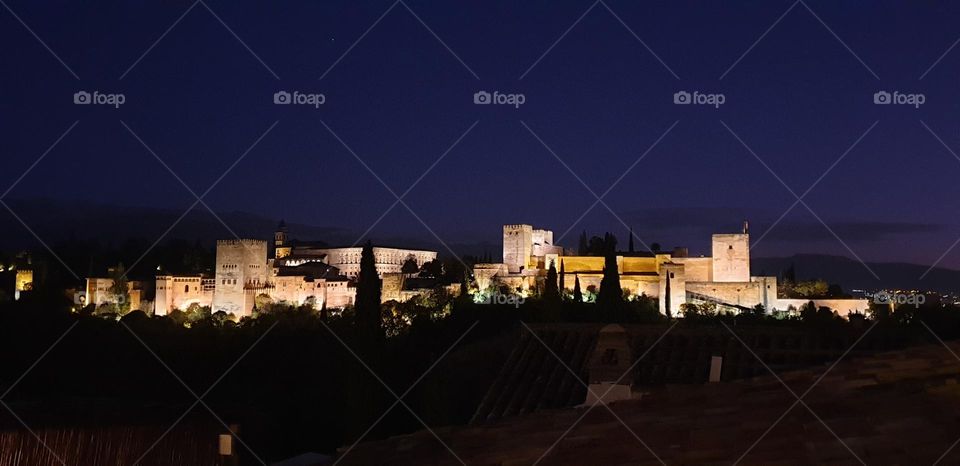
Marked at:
<point>301,274</point>
<point>724,278</point>
<point>322,277</point>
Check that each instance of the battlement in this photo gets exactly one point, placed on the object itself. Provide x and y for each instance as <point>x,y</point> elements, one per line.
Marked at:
<point>241,242</point>
<point>517,226</point>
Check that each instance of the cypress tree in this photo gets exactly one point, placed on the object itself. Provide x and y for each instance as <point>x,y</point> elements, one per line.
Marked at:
<point>561,285</point>
<point>367,305</point>
<point>610,296</point>
<point>363,400</point>
<point>550,290</point>
<point>666,299</point>
<point>577,294</point>
<point>631,240</point>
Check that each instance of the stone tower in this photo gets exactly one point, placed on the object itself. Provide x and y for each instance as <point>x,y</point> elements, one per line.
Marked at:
<point>281,247</point>
<point>731,257</point>
<point>517,246</point>
<point>241,270</point>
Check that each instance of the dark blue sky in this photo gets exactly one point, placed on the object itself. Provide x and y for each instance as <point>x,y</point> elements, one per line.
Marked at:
<point>599,99</point>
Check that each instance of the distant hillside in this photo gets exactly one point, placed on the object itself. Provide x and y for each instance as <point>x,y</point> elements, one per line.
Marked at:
<point>851,274</point>
<point>55,221</point>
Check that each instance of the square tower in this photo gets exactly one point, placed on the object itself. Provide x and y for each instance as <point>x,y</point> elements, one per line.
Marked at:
<point>517,246</point>
<point>731,257</point>
<point>241,265</point>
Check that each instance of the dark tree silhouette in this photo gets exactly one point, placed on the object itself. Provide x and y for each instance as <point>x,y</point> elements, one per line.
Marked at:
<point>577,294</point>
<point>464,286</point>
<point>583,248</point>
<point>602,246</point>
<point>610,296</point>
<point>432,269</point>
<point>367,306</point>
<point>561,284</point>
<point>550,290</point>
<point>630,247</point>
<point>410,266</point>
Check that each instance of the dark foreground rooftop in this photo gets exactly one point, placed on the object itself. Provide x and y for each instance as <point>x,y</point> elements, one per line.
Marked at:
<point>900,407</point>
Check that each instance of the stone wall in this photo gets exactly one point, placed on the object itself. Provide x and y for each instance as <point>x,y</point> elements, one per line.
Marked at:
<point>338,293</point>
<point>676,274</point>
<point>392,287</point>
<point>697,269</point>
<point>483,274</point>
<point>181,292</point>
<point>23,282</point>
<point>388,260</point>
<point>517,246</point>
<point>747,294</point>
<point>731,258</point>
<point>241,265</point>
<point>98,293</point>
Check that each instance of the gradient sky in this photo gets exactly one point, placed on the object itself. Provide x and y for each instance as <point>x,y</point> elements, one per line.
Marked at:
<point>599,99</point>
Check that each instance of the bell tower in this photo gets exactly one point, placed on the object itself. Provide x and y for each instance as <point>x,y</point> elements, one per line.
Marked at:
<point>281,248</point>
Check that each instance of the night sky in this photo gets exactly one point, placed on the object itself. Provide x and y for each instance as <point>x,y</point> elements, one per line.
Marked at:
<point>599,99</point>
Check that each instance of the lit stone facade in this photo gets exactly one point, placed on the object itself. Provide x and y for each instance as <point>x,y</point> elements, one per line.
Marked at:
<point>241,268</point>
<point>388,260</point>
<point>525,248</point>
<point>318,277</point>
<point>672,278</point>
<point>731,258</point>
<point>24,282</point>
<point>98,293</point>
<point>182,292</point>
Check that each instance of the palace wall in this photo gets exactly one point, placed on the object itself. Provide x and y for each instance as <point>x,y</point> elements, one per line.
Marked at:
<point>388,260</point>
<point>182,292</point>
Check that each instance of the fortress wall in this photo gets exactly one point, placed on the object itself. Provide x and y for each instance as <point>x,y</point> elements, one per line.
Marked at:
<point>747,294</point>
<point>585,264</point>
<point>731,258</point>
<point>637,264</point>
<point>179,293</point>
<point>517,246</point>
<point>240,263</point>
<point>697,269</point>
